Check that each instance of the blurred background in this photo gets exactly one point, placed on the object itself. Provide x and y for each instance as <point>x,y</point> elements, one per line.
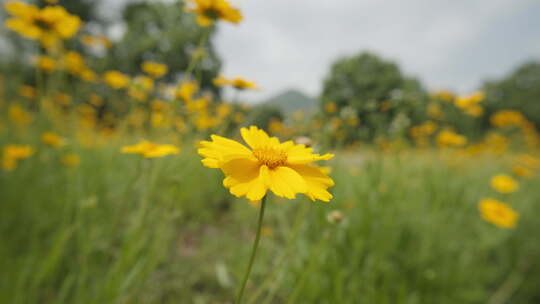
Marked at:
<point>431,108</point>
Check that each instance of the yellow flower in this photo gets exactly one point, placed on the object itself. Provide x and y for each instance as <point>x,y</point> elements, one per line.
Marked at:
<point>70,160</point>
<point>237,83</point>
<point>150,150</point>
<point>48,25</point>
<point>52,139</point>
<point>498,213</point>
<point>521,171</point>
<point>448,138</point>
<point>507,118</point>
<point>46,63</point>
<point>27,91</point>
<point>504,183</point>
<point>330,107</point>
<point>186,90</point>
<point>529,161</point>
<point>116,79</point>
<point>474,110</point>
<point>74,63</point>
<point>210,11</point>
<point>12,153</point>
<point>154,69</point>
<point>283,168</point>
<point>96,41</point>
<point>19,115</point>
<point>444,95</point>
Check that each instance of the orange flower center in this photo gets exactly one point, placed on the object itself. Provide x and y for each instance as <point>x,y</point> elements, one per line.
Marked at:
<point>270,157</point>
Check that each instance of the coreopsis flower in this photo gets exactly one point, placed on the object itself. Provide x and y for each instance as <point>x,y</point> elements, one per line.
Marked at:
<point>52,139</point>
<point>116,79</point>
<point>149,149</point>
<point>498,213</point>
<point>507,118</point>
<point>474,110</point>
<point>19,115</point>
<point>74,63</point>
<point>96,41</point>
<point>521,171</point>
<point>27,91</point>
<point>70,160</point>
<point>154,69</point>
<point>504,183</point>
<point>45,63</point>
<point>335,217</point>
<point>47,25</point>
<point>13,153</point>
<point>186,90</point>
<point>237,83</point>
<point>448,138</point>
<point>529,161</point>
<point>210,11</point>
<point>285,168</point>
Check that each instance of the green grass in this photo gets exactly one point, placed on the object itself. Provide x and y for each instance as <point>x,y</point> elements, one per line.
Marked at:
<point>120,229</point>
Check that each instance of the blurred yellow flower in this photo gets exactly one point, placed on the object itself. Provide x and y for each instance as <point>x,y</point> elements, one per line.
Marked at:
<point>448,138</point>
<point>12,153</point>
<point>186,90</point>
<point>70,160</point>
<point>521,171</point>
<point>504,183</point>
<point>283,168</point>
<point>48,25</point>
<point>507,118</point>
<point>96,41</point>
<point>154,69</point>
<point>74,63</point>
<point>444,95</point>
<point>46,63</point>
<point>27,91</point>
<point>116,79</point>
<point>330,107</point>
<point>498,213</point>
<point>52,139</point>
<point>150,150</point>
<point>474,110</point>
<point>210,11</point>
<point>237,83</point>
<point>19,115</point>
<point>529,161</point>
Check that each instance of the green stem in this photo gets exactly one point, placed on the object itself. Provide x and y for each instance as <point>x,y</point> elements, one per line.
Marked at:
<point>253,251</point>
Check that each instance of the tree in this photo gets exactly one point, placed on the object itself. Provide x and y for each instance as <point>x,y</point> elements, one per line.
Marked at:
<point>163,32</point>
<point>519,91</point>
<point>382,97</point>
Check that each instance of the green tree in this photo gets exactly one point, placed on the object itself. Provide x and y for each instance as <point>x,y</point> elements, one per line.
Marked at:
<point>518,91</point>
<point>385,100</point>
<point>163,32</point>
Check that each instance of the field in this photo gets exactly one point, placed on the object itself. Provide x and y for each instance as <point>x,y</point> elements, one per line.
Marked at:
<point>122,179</point>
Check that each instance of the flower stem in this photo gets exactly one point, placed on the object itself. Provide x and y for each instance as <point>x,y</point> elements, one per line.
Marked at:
<point>253,251</point>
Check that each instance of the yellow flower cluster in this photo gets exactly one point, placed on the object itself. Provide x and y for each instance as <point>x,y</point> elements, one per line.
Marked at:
<point>209,11</point>
<point>470,104</point>
<point>13,153</point>
<point>48,25</point>
<point>149,149</point>
<point>283,168</point>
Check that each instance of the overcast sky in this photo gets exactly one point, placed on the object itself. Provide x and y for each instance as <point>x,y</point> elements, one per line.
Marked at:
<point>446,44</point>
<point>453,44</point>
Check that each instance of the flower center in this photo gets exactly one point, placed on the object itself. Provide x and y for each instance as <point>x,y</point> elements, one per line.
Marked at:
<point>270,157</point>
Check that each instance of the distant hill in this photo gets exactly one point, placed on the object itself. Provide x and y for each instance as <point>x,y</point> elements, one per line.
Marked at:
<point>293,100</point>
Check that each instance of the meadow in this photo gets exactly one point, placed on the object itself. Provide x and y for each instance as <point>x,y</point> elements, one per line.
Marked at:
<point>106,195</point>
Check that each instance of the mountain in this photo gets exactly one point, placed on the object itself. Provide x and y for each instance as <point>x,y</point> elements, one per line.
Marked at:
<point>293,100</point>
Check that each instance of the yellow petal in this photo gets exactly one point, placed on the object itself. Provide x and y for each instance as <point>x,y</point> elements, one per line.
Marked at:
<point>286,182</point>
<point>257,138</point>
<point>317,181</point>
